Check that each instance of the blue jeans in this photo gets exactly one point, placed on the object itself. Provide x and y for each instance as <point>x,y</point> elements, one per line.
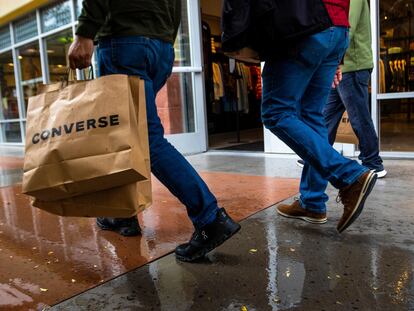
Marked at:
<point>152,60</point>
<point>295,92</point>
<point>352,95</point>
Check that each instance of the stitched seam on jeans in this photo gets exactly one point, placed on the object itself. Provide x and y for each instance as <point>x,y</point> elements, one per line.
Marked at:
<point>311,155</point>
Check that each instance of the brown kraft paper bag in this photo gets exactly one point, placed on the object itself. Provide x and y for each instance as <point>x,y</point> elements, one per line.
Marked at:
<point>82,139</point>
<point>124,201</point>
<point>345,134</point>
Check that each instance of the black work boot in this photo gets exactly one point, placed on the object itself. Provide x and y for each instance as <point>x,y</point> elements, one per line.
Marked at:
<point>123,226</point>
<point>208,238</point>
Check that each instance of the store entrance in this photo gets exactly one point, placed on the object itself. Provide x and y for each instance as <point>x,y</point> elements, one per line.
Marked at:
<point>232,96</point>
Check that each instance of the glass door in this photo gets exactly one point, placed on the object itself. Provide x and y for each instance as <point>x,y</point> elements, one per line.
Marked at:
<point>180,103</point>
<point>393,107</point>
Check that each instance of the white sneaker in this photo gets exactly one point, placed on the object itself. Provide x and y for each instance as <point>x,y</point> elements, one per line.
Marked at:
<point>381,174</point>
<point>300,163</point>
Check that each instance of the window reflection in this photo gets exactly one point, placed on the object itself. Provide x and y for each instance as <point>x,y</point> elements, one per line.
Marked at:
<point>55,16</point>
<point>57,48</point>
<point>175,104</point>
<point>397,125</point>
<point>10,132</point>
<point>182,42</point>
<point>31,73</point>
<point>8,96</point>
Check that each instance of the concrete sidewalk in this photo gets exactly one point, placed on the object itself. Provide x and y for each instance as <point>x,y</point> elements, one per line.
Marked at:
<point>282,264</point>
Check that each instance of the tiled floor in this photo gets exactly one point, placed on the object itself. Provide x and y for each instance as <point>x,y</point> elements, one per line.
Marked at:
<point>46,259</point>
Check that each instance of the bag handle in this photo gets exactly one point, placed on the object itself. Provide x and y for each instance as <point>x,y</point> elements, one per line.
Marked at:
<point>71,75</point>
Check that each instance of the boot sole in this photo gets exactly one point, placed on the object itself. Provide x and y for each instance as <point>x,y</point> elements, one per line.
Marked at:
<point>307,219</point>
<point>117,230</point>
<point>366,190</point>
<point>217,243</point>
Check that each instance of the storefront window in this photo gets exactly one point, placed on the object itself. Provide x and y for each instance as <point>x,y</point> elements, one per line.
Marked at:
<point>182,43</point>
<point>175,104</point>
<point>57,48</point>
<point>56,16</point>
<point>9,107</point>
<point>396,67</point>
<point>31,73</point>
<point>5,40</point>
<point>26,28</point>
<point>397,125</point>
<point>10,132</point>
<point>78,6</point>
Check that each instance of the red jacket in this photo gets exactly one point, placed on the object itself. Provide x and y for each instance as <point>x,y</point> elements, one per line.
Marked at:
<point>338,11</point>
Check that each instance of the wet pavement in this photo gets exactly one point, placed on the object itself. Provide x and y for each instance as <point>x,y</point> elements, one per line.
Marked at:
<point>281,264</point>
<point>273,264</point>
<point>46,259</point>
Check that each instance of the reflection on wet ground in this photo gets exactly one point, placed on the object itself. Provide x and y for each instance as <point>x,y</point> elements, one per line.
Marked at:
<point>281,264</point>
<point>269,267</point>
<point>46,259</point>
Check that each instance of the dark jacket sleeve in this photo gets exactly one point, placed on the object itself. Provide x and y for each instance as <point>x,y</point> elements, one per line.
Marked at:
<point>92,18</point>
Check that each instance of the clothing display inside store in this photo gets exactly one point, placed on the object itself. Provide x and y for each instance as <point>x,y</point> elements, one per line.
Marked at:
<point>396,74</point>
<point>396,69</point>
<point>233,95</point>
<point>397,47</point>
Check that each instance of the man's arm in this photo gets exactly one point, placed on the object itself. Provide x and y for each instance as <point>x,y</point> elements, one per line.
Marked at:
<point>93,16</point>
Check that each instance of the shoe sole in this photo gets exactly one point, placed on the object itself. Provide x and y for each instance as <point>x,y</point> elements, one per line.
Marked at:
<point>366,190</point>
<point>300,164</point>
<point>202,253</point>
<point>382,175</point>
<point>117,230</point>
<point>307,219</point>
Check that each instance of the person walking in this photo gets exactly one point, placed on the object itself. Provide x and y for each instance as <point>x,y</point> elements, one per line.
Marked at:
<point>352,93</point>
<point>136,38</point>
<point>296,87</point>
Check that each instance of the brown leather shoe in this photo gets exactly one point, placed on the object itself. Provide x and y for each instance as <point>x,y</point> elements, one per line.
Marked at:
<point>296,211</point>
<point>353,198</point>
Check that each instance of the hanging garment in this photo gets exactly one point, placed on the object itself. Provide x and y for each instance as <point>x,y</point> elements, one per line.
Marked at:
<point>242,92</point>
<point>217,82</point>
<point>382,84</point>
<point>257,81</point>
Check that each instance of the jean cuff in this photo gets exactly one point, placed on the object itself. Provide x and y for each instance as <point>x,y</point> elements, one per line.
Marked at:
<point>318,210</point>
<point>207,218</point>
<point>355,177</point>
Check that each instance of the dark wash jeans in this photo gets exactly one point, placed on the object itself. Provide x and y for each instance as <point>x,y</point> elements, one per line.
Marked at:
<point>352,95</point>
<point>295,92</point>
<point>152,60</point>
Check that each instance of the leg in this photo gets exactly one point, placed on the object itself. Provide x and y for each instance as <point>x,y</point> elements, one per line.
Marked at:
<point>152,60</point>
<point>354,93</point>
<point>284,84</point>
<point>313,185</point>
<point>333,113</point>
<point>307,78</point>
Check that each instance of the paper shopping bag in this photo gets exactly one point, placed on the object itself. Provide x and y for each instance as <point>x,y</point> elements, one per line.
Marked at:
<point>345,133</point>
<point>83,138</point>
<point>121,202</point>
<point>124,201</point>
